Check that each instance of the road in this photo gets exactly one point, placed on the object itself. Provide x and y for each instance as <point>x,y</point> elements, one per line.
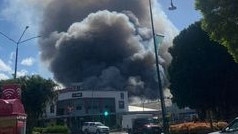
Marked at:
<point>109,133</point>
<point>118,133</point>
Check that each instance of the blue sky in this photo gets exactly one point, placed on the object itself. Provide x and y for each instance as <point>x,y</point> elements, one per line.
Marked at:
<point>15,15</point>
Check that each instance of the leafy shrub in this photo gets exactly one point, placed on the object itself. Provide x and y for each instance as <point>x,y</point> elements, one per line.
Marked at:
<point>195,128</point>
<point>37,130</point>
<point>51,130</point>
<point>57,129</point>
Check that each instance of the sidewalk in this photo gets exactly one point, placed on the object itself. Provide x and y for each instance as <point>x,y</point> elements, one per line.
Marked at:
<point>118,133</point>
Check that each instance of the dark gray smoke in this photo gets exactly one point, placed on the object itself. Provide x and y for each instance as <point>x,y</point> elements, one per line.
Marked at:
<point>104,44</point>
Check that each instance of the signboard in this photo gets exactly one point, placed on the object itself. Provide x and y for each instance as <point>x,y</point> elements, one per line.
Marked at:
<point>8,125</point>
<point>13,124</point>
<point>11,91</point>
<point>77,94</point>
<point>5,108</point>
<point>8,130</point>
<point>8,121</point>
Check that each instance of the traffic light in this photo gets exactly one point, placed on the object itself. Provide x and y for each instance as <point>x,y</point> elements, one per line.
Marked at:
<point>105,113</point>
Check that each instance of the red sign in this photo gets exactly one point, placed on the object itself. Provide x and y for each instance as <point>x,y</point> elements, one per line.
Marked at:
<point>11,91</point>
<point>5,108</point>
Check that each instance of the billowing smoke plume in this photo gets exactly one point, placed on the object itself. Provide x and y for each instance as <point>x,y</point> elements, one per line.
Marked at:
<point>105,44</point>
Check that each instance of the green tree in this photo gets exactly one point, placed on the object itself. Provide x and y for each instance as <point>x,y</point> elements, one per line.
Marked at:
<point>36,93</point>
<point>221,22</point>
<point>203,74</point>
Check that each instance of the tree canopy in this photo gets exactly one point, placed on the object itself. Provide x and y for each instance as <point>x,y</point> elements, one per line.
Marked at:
<point>203,74</point>
<point>221,22</point>
<point>36,93</point>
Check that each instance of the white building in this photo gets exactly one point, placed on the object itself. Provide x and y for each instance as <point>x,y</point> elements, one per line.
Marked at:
<point>74,106</point>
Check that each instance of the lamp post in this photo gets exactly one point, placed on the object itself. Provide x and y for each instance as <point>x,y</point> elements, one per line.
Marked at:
<point>165,127</point>
<point>17,44</point>
<point>172,7</point>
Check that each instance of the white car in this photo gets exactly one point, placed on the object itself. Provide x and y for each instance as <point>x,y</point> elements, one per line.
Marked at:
<point>95,127</point>
<point>232,128</point>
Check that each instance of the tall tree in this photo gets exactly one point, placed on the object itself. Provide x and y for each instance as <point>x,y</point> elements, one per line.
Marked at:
<point>220,20</point>
<point>202,73</point>
<point>36,92</point>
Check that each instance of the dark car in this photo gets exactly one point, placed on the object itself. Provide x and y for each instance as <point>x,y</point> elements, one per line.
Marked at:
<point>232,128</point>
<point>146,126</point>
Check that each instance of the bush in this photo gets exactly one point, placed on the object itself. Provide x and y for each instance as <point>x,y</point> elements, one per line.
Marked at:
<point>57,129</point>
<point>195,128</point>
<point>51,130</point>
<point>37,130</point>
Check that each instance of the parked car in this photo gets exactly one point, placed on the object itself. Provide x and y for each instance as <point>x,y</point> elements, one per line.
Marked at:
<point>95,128</point>
<point>146,126</point>
<point>232,128</point>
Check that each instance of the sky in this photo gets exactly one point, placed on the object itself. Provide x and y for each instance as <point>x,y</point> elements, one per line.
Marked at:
<point>15,15</point>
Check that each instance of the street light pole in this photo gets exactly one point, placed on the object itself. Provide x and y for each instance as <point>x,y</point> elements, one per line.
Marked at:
<point>17,45</point>
<point>18,42</point>
<point>172,7</point>
<point>165,127</point>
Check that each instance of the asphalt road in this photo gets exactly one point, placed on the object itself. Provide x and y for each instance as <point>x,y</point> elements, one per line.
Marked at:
<point>118,133</point>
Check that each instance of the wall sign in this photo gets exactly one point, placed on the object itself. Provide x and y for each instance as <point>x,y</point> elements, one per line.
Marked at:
<point>77,94</point>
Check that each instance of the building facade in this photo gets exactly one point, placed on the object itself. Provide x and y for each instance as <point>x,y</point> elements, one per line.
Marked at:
<point>74,106</point>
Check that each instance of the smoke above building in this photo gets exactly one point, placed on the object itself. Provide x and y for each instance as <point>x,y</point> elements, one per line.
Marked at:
<point>105,44</point>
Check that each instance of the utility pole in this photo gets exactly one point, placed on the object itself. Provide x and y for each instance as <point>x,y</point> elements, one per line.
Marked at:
<point>17,45</point>
<point>165,126</point>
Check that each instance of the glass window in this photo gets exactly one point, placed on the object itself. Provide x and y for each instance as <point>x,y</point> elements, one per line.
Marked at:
<point>234,125</point>
<point>122,95</point>
<point>79,108</point>
<point>121,104</point>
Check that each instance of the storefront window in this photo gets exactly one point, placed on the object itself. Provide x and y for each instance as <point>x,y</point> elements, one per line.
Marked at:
<point>121,104</point>
<point>122,95</point>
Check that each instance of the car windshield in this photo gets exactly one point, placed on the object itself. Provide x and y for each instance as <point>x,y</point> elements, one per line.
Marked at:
<point>146,121</point>
<point>233,125</point>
